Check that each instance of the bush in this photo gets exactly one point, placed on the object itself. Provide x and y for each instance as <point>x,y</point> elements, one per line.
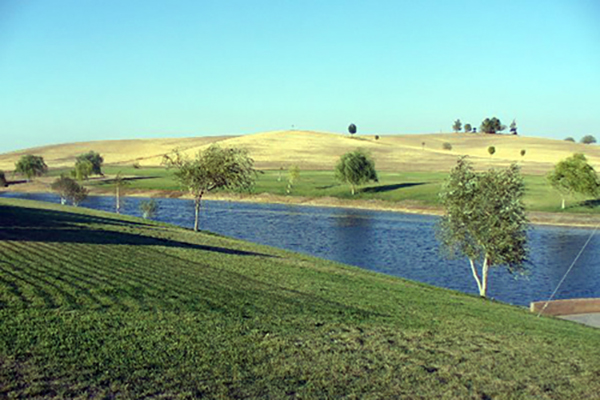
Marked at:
<point>447,146</point>
<point>376,137</point>
<point>491,150</point>
<point>523,152</point>
<point>3,182</point>
<point>136,165</point>
<point>149,208</point>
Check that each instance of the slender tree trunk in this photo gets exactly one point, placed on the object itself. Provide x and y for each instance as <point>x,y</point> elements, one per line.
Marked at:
<point>197,201</point>
<point>563,203</point>
<point>352,189</point>
<point>484,278</point>
<point>476,275</point>
<point>118,199</point>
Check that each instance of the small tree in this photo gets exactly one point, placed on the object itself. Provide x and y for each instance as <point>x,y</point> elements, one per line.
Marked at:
<point>149,208</point>
<point>423,145</point>
<point>446,146</point>
<point>211,169</point>
<point>352,129</point>
<point>569,139</point>
<point>588,139</point>
<point>376,137</point>
<point>293,176</point>
<point>83,170</point>
<point>69,190</point>
<point>574,175</point>
<point>355,168</point>
<point>3,181</point>
<point>31,166</point>
<point>457,126</point>
<point>484,219</point>
<point>513,127</point>
<point>491,150</point>
<point>468,128</point>
<point>120,183</point>
<point>491,125</point>
<point>523,152</point>
<point>95,159</point>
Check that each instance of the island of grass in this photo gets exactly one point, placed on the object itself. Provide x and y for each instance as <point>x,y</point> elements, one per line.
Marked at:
<point>98,305</point>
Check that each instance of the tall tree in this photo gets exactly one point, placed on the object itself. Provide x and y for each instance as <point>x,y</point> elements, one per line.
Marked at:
<point>457,126</point>
<point>574,175</point>
<point>94,158</point>
<point>31,166</point>
<point>355,168</point>
<point>69,190</point>
<point>352,129</point>
<point>484,219</point>
<point>491,125</point>
<point>83,169</point>
<point>213,168</point>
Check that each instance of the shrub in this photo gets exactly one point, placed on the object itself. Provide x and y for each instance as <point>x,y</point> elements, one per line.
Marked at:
<point>446,146</point>
<point>149,208</point>
<point>491,150</point>
<point>523,152</point>
<point>376,137</point>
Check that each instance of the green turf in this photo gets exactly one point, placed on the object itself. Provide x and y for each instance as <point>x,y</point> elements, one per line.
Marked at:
<point>98,306</point>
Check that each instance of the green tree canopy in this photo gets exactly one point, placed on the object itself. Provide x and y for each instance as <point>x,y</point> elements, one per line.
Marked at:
<point>69,190</point>
<point>457,126</point>
<point>293,176</point>
<point>588,139</point>
<point>569,139</point>
<point>355,168</point>
<point>491,125</point>
<point>31,166</point>
<point>83,169</point>
<point>484,219</point>
<point>213,168</point>
<point>574,175</point>
<point>352,129</point>
<point>468,128</point>
<point>94,158</point>
<point>491,150</point>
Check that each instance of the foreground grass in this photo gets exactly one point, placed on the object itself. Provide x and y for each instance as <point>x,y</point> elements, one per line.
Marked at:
<point>97,306</point>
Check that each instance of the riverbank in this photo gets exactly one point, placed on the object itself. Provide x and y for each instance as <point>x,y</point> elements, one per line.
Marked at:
<point>580,220</point>
<point>100,305</point>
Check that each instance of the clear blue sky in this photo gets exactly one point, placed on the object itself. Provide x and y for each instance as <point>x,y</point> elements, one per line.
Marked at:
<point>78,70</point>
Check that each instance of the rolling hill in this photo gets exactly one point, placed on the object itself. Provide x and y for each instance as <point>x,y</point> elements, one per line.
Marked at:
<point>319,151</point>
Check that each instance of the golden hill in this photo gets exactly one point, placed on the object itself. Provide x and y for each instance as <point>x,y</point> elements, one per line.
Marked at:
<point>317,150</point>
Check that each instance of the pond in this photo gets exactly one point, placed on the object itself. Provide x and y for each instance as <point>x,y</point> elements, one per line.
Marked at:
<point>392,243</point>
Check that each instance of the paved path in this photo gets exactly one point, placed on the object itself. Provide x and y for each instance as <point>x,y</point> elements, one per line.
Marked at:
<point>592,319</point>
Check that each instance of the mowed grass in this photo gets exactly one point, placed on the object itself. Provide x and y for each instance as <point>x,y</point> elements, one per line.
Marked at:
<point>95,305</point>
<point>409,188</point>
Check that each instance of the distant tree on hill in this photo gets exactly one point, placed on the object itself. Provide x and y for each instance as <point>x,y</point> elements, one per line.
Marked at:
<point>31,166</point>
<point>491,125</point>
<point>588,139</point>
<point>457,126</point>
<point>569,139</point>
<point>376,137</point>
<point>513,127</point>
<point>484,219</point>
<point>446,146</point>
<point>3,181</point>
<point>69,190</point>
<point>352,129</point>
<point>213,168</point>
<point>355,168</point>
<point>83,169</point>
<point>523,152</point>
<point>468,128</point>
<point>491,150</point>
<point>574,175</point>
<point>95,159</point>
<point>423,145</point>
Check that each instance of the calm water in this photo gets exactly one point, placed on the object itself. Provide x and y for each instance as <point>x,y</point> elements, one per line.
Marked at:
<point>392,243</point>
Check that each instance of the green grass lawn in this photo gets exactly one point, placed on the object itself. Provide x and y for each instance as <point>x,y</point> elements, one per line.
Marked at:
<point>95,305</point>
<point>414,187</point>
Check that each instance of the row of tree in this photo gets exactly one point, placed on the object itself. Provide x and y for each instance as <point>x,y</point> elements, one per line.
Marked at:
<point>587,139</point>
<point>488,125</point>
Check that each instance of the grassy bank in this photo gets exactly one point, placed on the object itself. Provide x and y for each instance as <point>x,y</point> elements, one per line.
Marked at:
<point>95,305</point>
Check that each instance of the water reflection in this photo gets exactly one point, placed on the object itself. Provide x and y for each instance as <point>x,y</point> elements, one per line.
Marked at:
<point>392,243</point>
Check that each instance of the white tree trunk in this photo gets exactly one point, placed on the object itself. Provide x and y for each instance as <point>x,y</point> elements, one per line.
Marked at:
<point>563,203</point>
<point>197,212</point>
<point>481,282</point>
<point>475,275</point>
<point>118,199</point>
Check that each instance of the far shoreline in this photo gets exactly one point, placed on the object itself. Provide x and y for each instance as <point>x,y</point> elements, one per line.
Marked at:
<point>589,221</point>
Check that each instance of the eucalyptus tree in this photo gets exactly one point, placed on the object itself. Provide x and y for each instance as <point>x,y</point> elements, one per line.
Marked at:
<point>31,166</point>
<point>484,219</point>
<point>211,169</point>
<point>355,168</point>
<point>574,175</point>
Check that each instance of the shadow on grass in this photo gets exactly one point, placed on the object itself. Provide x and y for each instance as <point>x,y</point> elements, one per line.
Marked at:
<point>389,188</point>
<point>38,225</point>
<point>591,203</point>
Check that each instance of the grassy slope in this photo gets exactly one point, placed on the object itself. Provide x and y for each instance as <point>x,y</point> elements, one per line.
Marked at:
<point>95,305</point>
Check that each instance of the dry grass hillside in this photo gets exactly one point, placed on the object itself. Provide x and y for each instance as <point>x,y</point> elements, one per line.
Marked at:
<point>317,150</point>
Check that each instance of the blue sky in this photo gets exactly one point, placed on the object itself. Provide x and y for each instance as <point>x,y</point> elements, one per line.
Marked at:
<point>78,70</point>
